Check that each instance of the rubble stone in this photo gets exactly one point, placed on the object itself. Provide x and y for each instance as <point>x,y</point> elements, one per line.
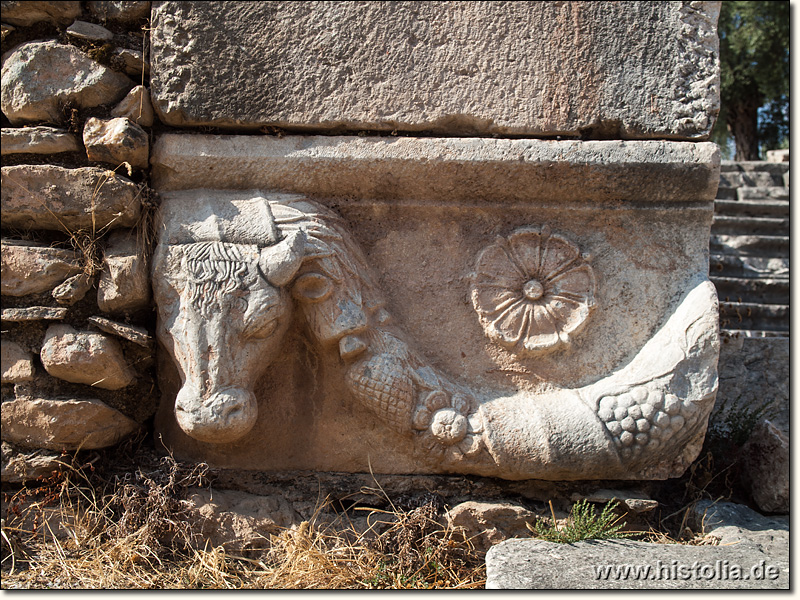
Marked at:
<point>765,465</point>
<point>137,335</point>
<point>632,501</point>
<point>120,10</point>
<point>39,77</point>
<point>33,313</point>
<point>90,358</point>
<point>116,141</point>
<point>487,523</point>
<point>32,269</point>
<point>37,140</point>
<point>125,280</point>
<point>50,197</point>
<point>25,13</point>
<point>134,61</point>
<point>73,289</point>
<point>18,467</point>
<point>90,32</point>
<point>136,106</point>
<point>64,424</point>
<point>17,364</point>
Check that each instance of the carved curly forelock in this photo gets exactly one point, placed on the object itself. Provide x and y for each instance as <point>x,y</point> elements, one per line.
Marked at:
<point>215,269</point>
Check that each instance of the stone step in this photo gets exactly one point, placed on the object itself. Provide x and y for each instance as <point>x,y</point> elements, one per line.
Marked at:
<point>752,208</point>
<point>731,265</point>
<point>755,333</point>
<point>749,289</point>
<point>749,226</point>
<point>749,315</point>
<point>726,193</point>
<point>751,166</point>
<point>751,179</point>
<point>773,192</point>
<point>767,246</point>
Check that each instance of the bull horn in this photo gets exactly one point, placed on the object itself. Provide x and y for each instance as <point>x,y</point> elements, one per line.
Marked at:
<point>279,263</point>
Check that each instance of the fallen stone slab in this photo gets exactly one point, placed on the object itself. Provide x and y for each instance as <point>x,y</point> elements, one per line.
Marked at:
<point>123,11</point>
<point>17,363</point>
<point>89,358</point>
<point>625,564</point>
<point>33,313</point>
<point>136,106</point>
<point>489,523</point>
<point>124,284</point>
<point>39,77</point>
<point>27,269</point>
<point>729,523</point>
<point>18,467</point>
<point>90,32</point>
<point>25,13</point>
<point>37,140</point>
<point>116,141</point>
<point>530,68</point>
<point>50,197</point>
<point>73,290</point>
<point>137,335</point>
<point>64,424</point>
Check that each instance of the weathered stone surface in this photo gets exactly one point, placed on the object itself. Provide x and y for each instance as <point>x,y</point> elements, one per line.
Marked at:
<point>486,524</point>
<point>91,32</point>
<point>765,465</point>
<point>33,313</point>
<point>30,12</point>
<point>730,524</point>
<point>137,335</point>
<point>136,106</point>
<point>134,61</point>
<point>28,269</point>
<point>73,290</point>
<point>531,68</point>
<point>238,520</point>
<point>124,284</point>
<point>37,140</point>
<point>17,365</point>
<point>625,564</point>
<point>632,501</point>
<point>18,467</point>
<point>39,77</point>
<point>48,197</point>
<point>90,358</point>
<point>778,156</point>
<point>116,141</point>
<point>443,170</point>
<point>64,424</point>
<point>120,10</point>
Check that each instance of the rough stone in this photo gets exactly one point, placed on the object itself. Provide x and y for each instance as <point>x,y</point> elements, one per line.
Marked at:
<point>636,502</point>
<point>136,106</point>
<point>625,564</point>
<point>729,524</point>
<point>125,280</point>
<point>444,170</point>
<point>765,466</point>
<point>238,520</point>
<point>31,12</point>
<point>28,269</point>
<point>18,467</point>
<point>39,77</point>
<point>73,290</point>
<point>116,141</point>
<point>33,313</point>
<point>120,10</point>
<point>532,68</point>
<point>81,357</point>
<point>17,365</point>
<point>91,32</point>
<point>137,335</point>
<point>5,30</point>
<point>49,197</point>
<point>486,523</point>
<point>37,140</point>
<point>87,424</point>
<point>778,156</point>
<point>134,61</point>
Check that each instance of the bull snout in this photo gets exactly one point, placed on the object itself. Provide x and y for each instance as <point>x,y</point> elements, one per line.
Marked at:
<point>225,416</point>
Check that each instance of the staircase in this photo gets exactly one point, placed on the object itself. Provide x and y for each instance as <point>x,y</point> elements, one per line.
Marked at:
<point>749,262</point>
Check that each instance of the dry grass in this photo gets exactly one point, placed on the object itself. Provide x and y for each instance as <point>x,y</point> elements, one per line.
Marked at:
<point>90,529</point>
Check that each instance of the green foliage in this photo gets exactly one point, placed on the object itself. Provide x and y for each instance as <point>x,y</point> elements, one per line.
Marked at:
<point>754,65</point>
<point>584,524</point>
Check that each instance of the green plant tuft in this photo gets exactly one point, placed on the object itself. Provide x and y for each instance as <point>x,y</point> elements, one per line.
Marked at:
<point>584,524</point>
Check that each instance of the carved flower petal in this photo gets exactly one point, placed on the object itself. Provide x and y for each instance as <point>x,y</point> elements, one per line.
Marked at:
<point>512,324</point>
<point>570,315</point>
<point>576,283</point>
<point>475,423</point>
<point>460,403</point>
<point>435,400</point>
<point>495,267</point>
<point>526,247</point>
<point>542,332</point>
<point>558,253</point>
<point>470,445</point>
<point>421,419</point>
<point>490,299</point>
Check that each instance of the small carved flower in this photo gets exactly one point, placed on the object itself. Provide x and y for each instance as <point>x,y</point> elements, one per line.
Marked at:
<point>449,426</point>
<point>532,290</point>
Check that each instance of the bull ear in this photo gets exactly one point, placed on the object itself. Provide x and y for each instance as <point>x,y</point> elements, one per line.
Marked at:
<point>279,263</point>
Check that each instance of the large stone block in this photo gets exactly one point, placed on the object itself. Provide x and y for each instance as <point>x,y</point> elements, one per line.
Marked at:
<point>512,308</point>
<point>599,70</point>
<point>30,269</point>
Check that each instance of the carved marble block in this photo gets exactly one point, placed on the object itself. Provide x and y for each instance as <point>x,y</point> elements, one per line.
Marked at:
<point>511,308</point>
